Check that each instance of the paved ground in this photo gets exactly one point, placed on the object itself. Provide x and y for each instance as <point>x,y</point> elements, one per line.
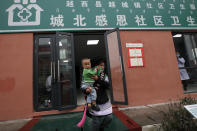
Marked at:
<point>135,118</point>
<point>146,115</point>
<point>68,122</point>
<point>65,122</point>
<point>15,125</point>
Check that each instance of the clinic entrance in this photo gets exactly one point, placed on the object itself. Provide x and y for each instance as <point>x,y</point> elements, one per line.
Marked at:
<point>57,67</point>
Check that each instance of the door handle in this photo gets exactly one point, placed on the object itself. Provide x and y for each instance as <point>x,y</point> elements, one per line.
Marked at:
<point>54,71</point>
<point>51,68</point>
<point>51,73</point>
<point>58,69</point>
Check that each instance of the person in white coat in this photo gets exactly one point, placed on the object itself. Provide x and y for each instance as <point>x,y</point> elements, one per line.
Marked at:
<point>48,83</point>
<point>183,72</point>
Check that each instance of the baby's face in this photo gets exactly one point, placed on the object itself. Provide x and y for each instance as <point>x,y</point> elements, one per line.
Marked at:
<point>86,63</point>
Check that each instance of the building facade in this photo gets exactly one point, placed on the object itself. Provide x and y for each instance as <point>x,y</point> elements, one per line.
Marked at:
<point>42,44</point>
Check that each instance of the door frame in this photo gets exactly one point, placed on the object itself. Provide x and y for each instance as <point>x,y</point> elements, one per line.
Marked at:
<point>59,107</point>
<point>55,41</point>
<point>56,101</point>
<point>35,70</point>
<point>122,66</point>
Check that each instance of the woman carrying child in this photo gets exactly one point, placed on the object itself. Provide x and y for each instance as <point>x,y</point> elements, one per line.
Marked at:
<point>101,119</point>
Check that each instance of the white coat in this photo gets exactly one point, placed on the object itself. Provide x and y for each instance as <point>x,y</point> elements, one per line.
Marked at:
<point>183,72</point>
<point>48,83</point>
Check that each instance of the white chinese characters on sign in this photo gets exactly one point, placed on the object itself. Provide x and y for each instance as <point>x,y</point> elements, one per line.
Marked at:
<point>98,4</point>
<point>149,5</point>
<point>140,20</point>
<point>69,3</point>
<point>158,20</point>
<point>79,21</point>
<point>191,21</point>
<point>57,21</point>
<point>175,20</point>
<point>172,7</point>
<point>172,13</point>
<point>137,5</point>
<point>121,20</point>
<point>160,6</point>
<point>192,7</point>
<point>182,6</point>
<point>125,5</point>
<point>112,4</point>
<point>84,3</point>
<point>101,20</point>
<point>23,14</point>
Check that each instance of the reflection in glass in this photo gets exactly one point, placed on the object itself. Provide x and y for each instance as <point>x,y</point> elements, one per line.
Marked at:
<point>190,49</point>
<point>44,73</point>
<point>65,71</point>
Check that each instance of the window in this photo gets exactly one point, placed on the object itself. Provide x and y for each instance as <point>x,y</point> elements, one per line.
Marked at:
<point>186,51</point>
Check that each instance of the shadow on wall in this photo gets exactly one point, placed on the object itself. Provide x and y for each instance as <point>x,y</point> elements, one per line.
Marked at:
<point>7,85</point>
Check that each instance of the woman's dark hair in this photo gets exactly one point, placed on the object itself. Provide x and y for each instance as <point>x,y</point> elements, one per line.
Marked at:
<point>101,60</point>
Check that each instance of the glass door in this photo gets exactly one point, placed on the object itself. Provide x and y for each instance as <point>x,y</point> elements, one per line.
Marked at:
<point>54,72</point>
<point>44,72</point>
<point>66,88</point>
<point>115,67</point>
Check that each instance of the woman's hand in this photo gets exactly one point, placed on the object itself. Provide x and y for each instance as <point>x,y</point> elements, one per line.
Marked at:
<point>95,77</point>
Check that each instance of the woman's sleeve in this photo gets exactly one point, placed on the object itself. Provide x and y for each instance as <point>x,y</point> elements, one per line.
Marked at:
<point>181,60</point>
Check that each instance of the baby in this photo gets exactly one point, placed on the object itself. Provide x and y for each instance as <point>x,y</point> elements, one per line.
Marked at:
<point>87,84</point>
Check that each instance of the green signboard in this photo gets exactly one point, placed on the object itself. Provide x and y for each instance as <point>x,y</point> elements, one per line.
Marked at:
<point>56,15</point>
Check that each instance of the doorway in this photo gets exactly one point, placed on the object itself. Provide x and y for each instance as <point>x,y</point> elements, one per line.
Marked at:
<point>85,49</point>
<point>57,67</point>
